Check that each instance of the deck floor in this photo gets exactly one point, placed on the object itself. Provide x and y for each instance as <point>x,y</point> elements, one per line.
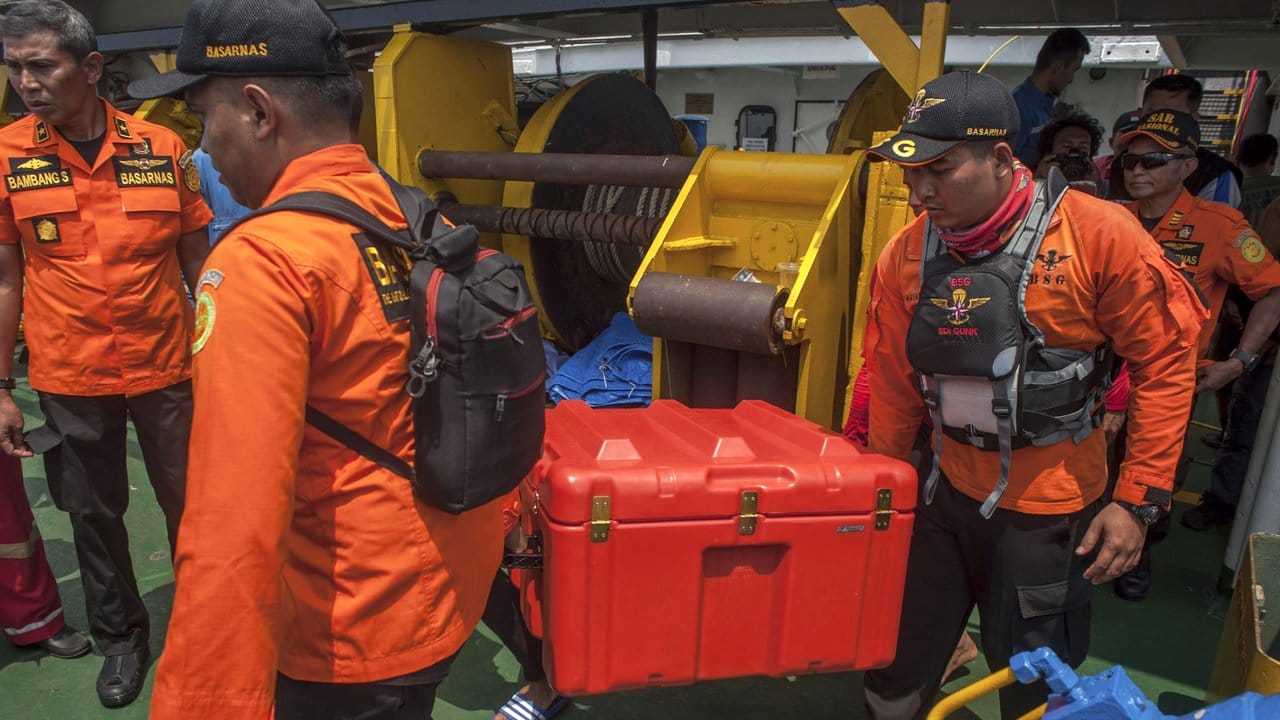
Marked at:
<point>1167,643</point>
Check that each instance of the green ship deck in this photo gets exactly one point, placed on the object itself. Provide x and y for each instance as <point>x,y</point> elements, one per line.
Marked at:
<point>1166,643</point>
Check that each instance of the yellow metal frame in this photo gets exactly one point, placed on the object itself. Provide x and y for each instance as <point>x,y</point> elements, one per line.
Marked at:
<point>752,211</point>
<point>175,115</point>
<point>911,66</point>
<point>432,92</point>
<point>1242,663</point>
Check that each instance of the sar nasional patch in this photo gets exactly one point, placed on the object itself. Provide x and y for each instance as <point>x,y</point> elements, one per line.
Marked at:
<point>206,314</point>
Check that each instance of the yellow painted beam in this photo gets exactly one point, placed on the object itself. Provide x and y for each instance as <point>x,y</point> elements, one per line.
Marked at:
<point>886,38</point>
<point>933,41</point>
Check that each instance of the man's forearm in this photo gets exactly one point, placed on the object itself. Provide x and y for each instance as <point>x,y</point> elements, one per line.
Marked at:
<point>1262,321</point>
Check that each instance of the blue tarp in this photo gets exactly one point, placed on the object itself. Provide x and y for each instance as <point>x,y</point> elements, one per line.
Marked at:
<point>614,369</point>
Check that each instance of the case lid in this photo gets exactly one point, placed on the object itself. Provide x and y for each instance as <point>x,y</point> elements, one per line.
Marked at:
<point>671,462</point>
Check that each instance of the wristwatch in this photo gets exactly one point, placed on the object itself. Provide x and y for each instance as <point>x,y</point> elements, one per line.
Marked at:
<point>1148,514</point>
<point>7,383</point>
<point>1249,360</point>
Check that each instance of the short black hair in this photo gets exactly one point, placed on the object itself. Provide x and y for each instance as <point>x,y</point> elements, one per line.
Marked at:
<point>75,34</point>
<point>1257,150</point>
<point>1062,45</point>
<point>324,99</point>
<point>1085,122</point>
<point>981,149</point>
<point>1176,84</point>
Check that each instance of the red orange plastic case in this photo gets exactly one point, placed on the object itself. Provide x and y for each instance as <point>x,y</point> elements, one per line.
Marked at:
<point>692,544</point>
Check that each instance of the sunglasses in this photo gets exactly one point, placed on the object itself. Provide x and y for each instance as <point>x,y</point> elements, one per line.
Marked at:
<point>1151,160</point>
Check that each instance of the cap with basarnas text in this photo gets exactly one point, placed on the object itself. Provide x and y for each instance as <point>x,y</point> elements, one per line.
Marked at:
<point>947,111</point>
<point>1173,129</point>
<point>249,38</point>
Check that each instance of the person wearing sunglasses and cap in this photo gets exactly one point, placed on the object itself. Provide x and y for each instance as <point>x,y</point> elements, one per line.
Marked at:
<point>1011,519</point>
<point>1213,241</point>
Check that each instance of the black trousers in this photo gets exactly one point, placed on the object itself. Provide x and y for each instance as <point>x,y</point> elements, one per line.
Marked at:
<point>1019,570</point>
<point>409,697</point>
<point>88,479</point>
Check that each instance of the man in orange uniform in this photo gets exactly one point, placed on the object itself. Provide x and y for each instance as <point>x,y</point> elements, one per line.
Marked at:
<point>309,579</point>
<point>1012,518</point>
<point>1218,246</point>
<point>107,212</point>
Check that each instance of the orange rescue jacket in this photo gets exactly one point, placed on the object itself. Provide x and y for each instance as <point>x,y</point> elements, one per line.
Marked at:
<point>296,554</point>
<point>1097,276</point>
<point>105,309</point>
<point>1216,243</point>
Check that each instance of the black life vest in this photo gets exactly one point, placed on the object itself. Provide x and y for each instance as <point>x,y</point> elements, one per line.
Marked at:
<point>986,376</point>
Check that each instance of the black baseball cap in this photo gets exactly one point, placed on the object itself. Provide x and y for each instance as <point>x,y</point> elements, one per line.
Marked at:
<point>947,111</point>
<point>1125,122</point>
<point>249,38</point>
<point>1173,129</point>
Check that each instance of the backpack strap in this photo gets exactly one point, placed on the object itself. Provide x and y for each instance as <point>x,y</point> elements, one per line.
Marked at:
<point>420,213</point>
<point>324,203</point>
<point>357,442</point>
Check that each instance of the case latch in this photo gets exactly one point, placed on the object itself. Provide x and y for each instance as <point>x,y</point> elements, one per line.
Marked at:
<point>884,508</point>
<point>600,519</point>
<point>748,501</point>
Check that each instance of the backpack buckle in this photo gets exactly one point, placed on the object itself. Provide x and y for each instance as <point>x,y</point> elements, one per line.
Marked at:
<point>423,369</point>
<point>1001,408</point>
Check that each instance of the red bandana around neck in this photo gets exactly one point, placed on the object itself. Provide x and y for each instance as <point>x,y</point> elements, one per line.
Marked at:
<point>987,237</point>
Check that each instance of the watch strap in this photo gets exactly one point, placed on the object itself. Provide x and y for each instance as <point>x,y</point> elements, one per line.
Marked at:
<point>1249,360</point>
<point>8,383</point>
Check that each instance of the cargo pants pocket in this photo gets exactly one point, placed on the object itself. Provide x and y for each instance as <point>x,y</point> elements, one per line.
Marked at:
<point>1055,615</point>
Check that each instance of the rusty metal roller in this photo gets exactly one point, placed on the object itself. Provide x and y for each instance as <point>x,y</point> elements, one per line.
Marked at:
<point>744,316</point>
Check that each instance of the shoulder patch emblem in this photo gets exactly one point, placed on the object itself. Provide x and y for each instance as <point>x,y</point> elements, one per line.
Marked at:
<point>210,277</point>
<point>1253,250</point>
<point>206,313</point>
<point>1175,218</point>
<point>122,129</point>
<point>190,173</point>
<point>42,132</point>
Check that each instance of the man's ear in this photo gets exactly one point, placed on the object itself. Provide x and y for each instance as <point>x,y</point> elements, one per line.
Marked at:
<point>265,114</point>
<point>1190,166</point>
<point>1003,156</point>
<point>93,64</point>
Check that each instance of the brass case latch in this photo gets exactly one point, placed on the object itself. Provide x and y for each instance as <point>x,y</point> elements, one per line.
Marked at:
<point>884,508</point>
<point>600,519</point>
<point>747,516</point>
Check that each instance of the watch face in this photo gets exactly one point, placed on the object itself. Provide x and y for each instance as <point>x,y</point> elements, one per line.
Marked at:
<point>1148,513</point>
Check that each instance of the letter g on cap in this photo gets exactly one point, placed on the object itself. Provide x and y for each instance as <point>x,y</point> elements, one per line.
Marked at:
<point>904,148</point>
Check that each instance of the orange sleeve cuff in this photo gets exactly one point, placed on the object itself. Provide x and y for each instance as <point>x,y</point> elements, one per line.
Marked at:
<point>1137,489</point>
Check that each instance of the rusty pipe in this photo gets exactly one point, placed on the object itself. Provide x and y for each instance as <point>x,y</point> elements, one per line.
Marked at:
<point>668,171</point>
<point>556,224</point>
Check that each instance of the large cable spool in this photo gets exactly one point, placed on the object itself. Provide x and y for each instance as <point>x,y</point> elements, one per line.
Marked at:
<point>580,285</point>
<point>877,104</point>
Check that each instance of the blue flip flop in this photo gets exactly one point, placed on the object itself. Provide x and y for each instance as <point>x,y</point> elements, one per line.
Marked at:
<point>520,707</point>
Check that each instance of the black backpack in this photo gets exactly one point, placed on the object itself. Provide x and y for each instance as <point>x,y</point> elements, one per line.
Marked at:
<point>476,365</point>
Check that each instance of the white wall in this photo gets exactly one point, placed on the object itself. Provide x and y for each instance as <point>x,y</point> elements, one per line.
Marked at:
<point>1116,92</point>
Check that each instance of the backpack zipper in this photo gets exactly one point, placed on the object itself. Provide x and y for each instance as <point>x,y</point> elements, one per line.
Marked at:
<point>505,327</point>
<point>423,367</point>
<point>500,406</point>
